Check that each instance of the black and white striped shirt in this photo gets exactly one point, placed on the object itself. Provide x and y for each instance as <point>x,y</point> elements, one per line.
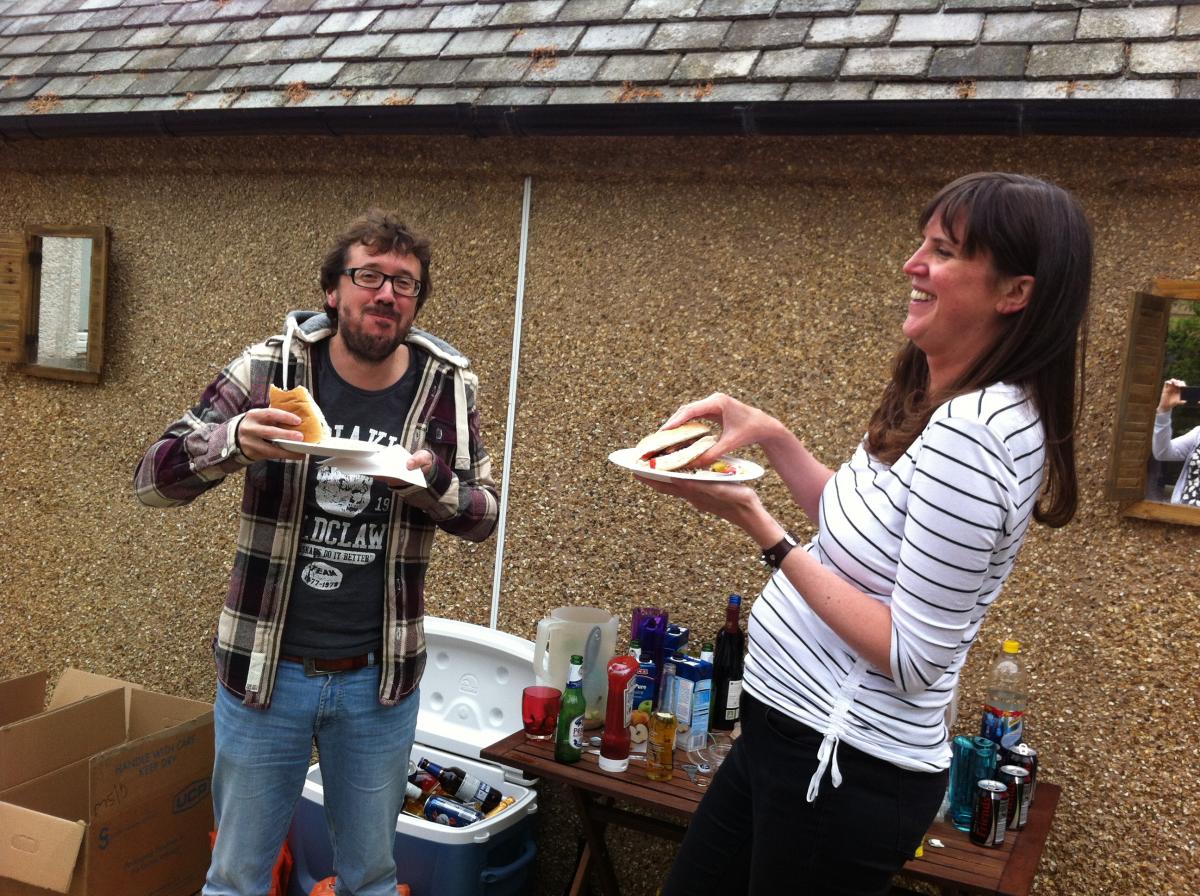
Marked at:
<point>934,536</point>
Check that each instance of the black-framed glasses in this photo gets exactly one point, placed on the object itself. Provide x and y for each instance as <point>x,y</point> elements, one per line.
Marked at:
<point>369,278</point>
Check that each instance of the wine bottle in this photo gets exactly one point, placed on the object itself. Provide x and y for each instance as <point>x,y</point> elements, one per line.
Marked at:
<point>728,660</point>
<point>463,786</point>
<point>568,739</point>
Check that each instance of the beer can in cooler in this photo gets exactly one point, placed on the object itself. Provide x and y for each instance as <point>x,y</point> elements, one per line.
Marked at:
<point>1016,779</point>
<point>991,813</point>
<point>444,810</point>
<point>1026,757</point>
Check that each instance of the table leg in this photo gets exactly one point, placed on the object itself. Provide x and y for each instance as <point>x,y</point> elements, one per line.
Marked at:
<point>595,852</point>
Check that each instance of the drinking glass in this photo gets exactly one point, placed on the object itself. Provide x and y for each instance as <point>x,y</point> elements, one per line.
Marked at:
<point>539,711</point>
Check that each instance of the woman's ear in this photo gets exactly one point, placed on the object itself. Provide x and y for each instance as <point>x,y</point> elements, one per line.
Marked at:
<point>1016,295</point>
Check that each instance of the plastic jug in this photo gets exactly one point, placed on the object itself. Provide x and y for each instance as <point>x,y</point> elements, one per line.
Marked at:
<point>589,632</point>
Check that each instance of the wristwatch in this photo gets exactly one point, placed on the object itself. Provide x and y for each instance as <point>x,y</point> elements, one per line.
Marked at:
<point>773,556</point>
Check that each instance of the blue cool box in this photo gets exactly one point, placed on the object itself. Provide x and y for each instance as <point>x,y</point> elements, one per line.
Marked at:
<point>470,698</point>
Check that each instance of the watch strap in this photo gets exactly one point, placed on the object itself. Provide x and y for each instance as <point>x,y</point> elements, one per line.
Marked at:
<point>772,557</point>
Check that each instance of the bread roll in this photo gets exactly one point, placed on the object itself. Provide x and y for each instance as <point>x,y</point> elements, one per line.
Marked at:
<point>299,402</point>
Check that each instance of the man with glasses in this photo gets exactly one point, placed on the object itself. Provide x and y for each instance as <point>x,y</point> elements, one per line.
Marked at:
<point>321,636</point>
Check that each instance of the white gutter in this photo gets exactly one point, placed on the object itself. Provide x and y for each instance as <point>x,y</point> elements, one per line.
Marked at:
<point>514,368</point>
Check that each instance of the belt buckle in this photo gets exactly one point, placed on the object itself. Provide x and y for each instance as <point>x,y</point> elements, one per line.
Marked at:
<point>311,670</point>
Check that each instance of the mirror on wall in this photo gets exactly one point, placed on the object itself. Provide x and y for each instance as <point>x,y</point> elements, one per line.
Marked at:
<point>1155,465</point>
<point>52,301</point>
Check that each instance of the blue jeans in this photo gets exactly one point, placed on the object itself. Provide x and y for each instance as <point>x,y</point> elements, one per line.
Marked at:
<point>755,832</point>
<point>262,756</point>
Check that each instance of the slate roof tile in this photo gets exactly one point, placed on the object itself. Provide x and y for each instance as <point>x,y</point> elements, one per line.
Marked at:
<point>799,62</point>
<point>255,76</point>
<point>108,61</point>
<point>20,66</point>
<point>245,29</point>
<point>886,62</point>
<point>715,66</point>
<point>204,79</point>
<point>475,15</point>
<point>1075,60</point>
<point>994,61</point>
<point>848,31</point>
<point>363,74</point>
<point>405,19</point>
<point>202,33</point>
<point>563,69</point>
<point>156,83</point>
<point>590,95</point>
<point>425,43</point>
<point>562,37</point>
<point>816,7</point>
<point>592,10</point>
<point>143,15</point>
<point>826,91</point>
<point>501,70</point>
<point>291,26</point>
<point>737,8</point>
<point>65,43</point>
<point>319,73</point>
<point>477,43</point>
<point>688,35</point>
<point>1028,27</point>
<point>57,65</point>
<point>1171,57</point>
<point>430,71</point>
<point>442,96</point>
<point>341,22</point>
<point>515,96</point>
<point>938,28</point>
<point>638,68</point>
<point>616,37</point>
<point>155,58</point>
<point>663,9</point>
<point>1116,24</point>
<point>26,43</point>
<point>527,13</point>
<point>767,33</point>
<point>144,37</point>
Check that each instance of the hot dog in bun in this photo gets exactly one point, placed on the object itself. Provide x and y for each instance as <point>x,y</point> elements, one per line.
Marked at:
<point>675,449</point>
<point>300,402</point>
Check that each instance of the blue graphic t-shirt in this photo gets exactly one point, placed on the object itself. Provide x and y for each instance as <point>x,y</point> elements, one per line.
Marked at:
<point>336,603</point>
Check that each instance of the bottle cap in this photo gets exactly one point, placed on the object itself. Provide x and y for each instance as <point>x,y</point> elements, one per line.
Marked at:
<point>1012,646</point>
<point>576,660</point>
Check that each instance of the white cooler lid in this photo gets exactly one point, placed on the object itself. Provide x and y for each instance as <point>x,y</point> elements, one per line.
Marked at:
<point>471,689</point>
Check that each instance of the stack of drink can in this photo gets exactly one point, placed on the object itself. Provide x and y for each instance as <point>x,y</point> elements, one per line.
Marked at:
<point>991,791</point>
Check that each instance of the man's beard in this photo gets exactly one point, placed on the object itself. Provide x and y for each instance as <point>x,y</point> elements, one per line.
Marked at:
<point>367,347</point>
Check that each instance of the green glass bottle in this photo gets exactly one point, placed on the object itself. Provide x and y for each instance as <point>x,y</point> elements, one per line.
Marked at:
<point>568,739</point>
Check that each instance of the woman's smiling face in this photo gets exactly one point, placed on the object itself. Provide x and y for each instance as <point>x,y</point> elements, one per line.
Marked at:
<point>957,304</point>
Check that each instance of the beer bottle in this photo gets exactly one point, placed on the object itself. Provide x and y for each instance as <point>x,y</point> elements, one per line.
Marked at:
<point>660,747</point>
<point>568,739</point>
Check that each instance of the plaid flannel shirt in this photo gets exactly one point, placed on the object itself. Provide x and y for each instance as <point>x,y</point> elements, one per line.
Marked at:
<point>200,449</point>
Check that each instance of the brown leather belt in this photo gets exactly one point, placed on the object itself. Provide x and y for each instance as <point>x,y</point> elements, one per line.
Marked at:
<point>314,665</point>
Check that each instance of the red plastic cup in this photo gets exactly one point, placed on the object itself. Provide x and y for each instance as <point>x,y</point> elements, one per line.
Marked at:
<point>539,711</point>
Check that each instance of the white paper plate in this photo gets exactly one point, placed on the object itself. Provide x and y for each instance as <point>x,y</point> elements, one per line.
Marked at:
<point>744,470</point>
<point>332,447</point>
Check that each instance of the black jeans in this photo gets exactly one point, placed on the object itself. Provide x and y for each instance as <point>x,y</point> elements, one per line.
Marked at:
<point>754,832</point>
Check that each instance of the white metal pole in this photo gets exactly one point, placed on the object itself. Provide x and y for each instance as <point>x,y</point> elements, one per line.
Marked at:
<point>498,571</point>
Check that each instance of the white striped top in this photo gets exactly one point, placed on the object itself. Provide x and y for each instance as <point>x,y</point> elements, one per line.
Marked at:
<point>934,536</point>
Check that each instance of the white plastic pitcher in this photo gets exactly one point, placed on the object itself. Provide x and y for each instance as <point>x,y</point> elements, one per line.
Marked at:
<point>587,631</point>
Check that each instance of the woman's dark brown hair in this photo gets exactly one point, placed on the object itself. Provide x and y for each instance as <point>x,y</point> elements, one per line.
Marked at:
<point>383,234</point>
<point>1027,227</point>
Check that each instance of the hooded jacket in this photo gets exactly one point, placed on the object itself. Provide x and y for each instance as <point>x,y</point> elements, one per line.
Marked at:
<point>198,451</point>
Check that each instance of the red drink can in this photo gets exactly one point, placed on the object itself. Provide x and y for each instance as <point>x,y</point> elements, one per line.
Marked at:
<point>1026,757</point>
<point>991,813</point>
<point>1016,779</point>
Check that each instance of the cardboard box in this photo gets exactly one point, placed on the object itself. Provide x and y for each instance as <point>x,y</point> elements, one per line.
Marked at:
<point>105,791</point>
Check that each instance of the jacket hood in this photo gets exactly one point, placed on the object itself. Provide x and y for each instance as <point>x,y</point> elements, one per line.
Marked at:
<point>313,326</point>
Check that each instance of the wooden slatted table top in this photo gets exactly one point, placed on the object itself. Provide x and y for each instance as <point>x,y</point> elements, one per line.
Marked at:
<point>535,758</point>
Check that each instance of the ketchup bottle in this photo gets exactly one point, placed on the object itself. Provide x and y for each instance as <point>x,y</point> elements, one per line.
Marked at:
<point>614,743</point>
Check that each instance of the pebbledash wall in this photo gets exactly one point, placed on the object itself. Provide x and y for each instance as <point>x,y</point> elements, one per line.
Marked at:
<point>658,270</point>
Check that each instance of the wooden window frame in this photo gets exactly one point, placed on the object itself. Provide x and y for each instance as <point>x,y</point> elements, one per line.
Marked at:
<point>1141,388</point>
<point>20,299</point>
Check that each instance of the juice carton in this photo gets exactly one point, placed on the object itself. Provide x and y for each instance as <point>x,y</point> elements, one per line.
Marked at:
<point>693,692</point>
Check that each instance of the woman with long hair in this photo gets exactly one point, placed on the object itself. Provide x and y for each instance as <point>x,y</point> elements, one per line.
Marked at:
<point>857,640</point>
